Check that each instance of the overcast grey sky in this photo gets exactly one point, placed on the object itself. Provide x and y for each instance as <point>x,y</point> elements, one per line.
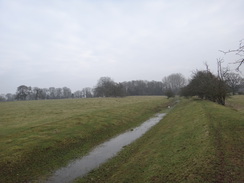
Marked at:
<point>74,43</point>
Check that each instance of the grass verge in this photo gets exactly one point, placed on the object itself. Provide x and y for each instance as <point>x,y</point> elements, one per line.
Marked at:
<point>198,141</point>
<point>39,136</point>
<point>236,102</point>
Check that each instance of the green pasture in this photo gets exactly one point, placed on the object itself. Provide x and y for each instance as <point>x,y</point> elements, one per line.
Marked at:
<point>36,137</point>
<point>236,102</point>
<point>198,141</point>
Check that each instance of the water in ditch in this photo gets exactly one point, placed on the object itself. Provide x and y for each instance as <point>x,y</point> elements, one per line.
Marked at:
<point>101,153</point>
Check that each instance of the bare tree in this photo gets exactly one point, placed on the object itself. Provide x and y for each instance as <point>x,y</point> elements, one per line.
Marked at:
<point>222,71</point>
<point>78,94</point>
<point>141,87</point>
<point>174,82</point>
<point>104,87</point>
<point>37,92</point>
<point>87,92</point>
<point>58,93</point>
<point>233,81</point>
<point>22,92</point>
<point>66,92</point>
<point>52,93</point>
<point>239,51</point>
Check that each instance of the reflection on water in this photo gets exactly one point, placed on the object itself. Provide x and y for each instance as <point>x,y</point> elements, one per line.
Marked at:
<point>101,153</point>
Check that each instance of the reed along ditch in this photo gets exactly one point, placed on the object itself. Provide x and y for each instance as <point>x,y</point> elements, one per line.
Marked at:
<point>102,153</point>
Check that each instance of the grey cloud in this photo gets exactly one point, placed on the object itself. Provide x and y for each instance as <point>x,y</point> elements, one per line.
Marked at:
<point>73,43</point>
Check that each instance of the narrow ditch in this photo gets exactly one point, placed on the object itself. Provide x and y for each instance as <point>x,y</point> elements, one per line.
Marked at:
<point>101,153</point>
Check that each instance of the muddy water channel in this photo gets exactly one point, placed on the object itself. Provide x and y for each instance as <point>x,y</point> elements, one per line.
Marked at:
<point>101,153</point>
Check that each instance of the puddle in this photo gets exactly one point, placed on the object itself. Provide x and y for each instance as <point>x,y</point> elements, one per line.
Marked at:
<point>101,153</point>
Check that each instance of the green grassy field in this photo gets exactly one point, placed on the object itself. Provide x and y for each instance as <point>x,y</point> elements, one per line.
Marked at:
<point>236,102</point>
<point>198,141</point>
<point>36,137</point>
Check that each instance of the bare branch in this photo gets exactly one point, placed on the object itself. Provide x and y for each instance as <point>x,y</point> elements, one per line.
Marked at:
<point>239,51</point>
<point>206,65</point>
<point>240,63</point>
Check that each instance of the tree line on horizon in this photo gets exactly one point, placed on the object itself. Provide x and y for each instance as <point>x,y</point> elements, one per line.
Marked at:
<point>203,84</point>
<point>106,87</point>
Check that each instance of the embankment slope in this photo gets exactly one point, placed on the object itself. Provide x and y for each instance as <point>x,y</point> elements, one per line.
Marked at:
<point>198,141</point>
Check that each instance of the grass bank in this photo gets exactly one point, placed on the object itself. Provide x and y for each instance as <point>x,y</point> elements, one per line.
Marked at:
<point>236,102</point>
<point>36,137</point>
<point>198,141</point>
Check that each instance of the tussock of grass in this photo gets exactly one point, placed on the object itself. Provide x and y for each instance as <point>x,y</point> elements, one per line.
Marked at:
<point>198,141</point>
<point>38,136</point>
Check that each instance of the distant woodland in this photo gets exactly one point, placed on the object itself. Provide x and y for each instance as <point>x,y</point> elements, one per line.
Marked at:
<point>203,84</point>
